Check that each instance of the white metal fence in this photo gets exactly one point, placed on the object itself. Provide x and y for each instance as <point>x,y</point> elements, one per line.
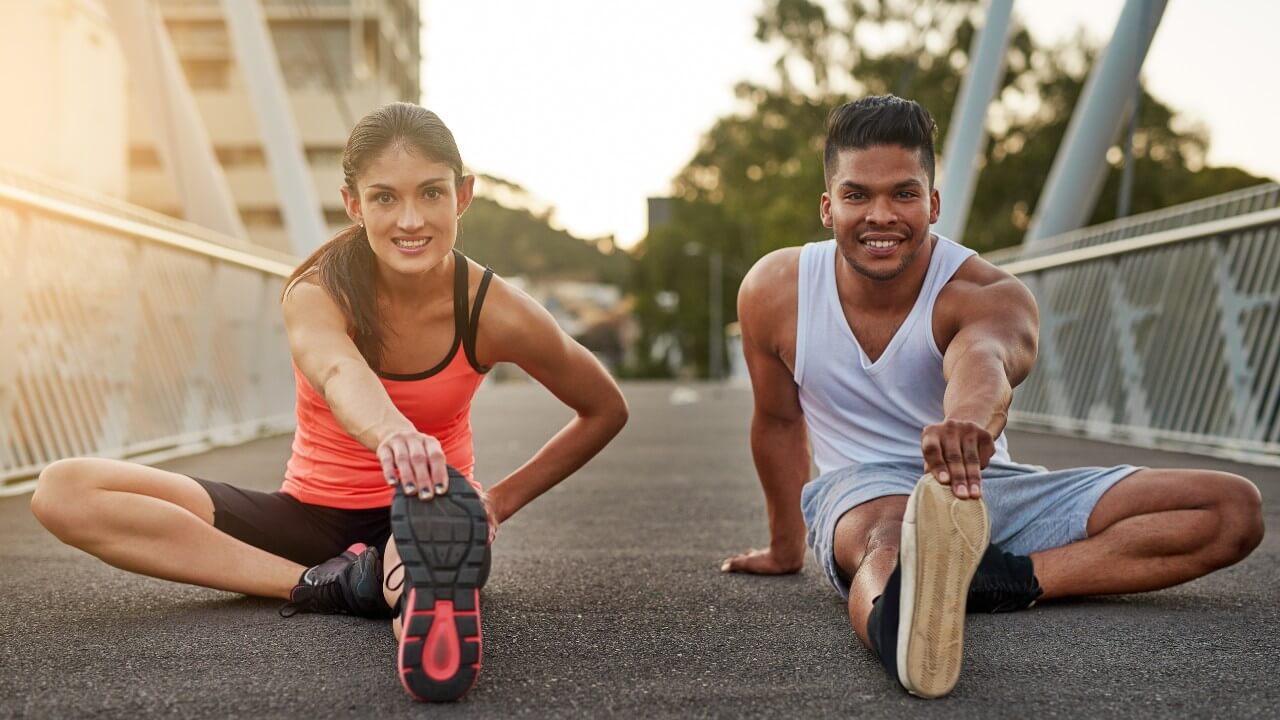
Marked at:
<point>1162,330</point>
<point>125,333</point>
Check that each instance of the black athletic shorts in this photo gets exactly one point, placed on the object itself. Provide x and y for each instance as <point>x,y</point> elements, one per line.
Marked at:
<point>285,526</point>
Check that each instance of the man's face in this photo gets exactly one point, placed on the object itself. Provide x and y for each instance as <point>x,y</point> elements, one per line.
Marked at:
<point>880,204</point>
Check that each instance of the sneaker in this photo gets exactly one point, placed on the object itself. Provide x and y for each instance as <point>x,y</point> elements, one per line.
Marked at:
<point>349,584</point>
<point>943,540</point>
<point>1004,583</point>
<point>882,623</point>
<point>444,547</point>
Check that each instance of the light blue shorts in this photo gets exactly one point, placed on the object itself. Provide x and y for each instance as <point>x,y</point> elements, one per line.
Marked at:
<point>1031,508</point>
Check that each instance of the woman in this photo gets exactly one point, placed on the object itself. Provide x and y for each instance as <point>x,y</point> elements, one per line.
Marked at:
<point>391,331</point>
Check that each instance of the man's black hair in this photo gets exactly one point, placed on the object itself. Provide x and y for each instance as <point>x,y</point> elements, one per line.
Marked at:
<point>880,120</point>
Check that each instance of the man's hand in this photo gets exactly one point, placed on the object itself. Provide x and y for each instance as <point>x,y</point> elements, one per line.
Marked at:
<point>763,562</point>
<point>955,451</point>
<point>416,461</point>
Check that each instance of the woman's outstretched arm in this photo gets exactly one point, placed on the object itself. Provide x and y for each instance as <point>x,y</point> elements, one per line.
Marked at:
<point>328,358</point>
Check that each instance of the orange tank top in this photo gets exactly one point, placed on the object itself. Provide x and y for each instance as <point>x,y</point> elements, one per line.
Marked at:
<point>329,467</point>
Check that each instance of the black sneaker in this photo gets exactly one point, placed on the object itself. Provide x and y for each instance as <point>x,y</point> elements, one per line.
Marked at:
<point>1004,582</point>
<point>349,584</point>
<point>444,546</point>
<point>882,624</point>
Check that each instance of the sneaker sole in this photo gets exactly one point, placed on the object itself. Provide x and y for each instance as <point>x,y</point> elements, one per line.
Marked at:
<point>943,539</point>
<point>443,545</point>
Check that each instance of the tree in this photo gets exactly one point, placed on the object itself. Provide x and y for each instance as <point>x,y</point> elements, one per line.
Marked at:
<point>516,237</point>
<point>754,183</point>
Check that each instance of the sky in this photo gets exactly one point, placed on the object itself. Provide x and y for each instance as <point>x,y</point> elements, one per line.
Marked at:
<point>595,105</point>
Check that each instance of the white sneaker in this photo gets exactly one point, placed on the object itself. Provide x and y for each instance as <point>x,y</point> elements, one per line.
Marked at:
<point>943,539</point>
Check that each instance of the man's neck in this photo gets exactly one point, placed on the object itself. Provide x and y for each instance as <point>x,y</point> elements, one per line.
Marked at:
<point>892,296</point>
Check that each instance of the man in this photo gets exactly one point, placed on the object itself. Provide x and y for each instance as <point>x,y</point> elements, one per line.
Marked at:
<point>894,350</point>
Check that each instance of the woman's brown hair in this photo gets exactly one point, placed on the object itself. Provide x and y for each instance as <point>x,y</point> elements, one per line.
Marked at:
<point>346,264</point>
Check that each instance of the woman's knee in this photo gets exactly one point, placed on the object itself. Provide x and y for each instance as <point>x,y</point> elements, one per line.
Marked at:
<point>58,499</point>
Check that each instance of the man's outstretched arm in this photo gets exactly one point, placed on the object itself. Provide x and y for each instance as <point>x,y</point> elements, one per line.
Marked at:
<point>779,441</point>
<point>991,352</point>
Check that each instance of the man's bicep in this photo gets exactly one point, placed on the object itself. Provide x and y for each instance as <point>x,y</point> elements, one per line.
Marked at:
<point>1000,323</point>
<point>775,390</point>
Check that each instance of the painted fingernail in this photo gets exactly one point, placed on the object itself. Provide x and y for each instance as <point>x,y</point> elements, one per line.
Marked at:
<point>391,479</point>
<point>440,488</point>
<point>424,495</point>
<point>408,488</point>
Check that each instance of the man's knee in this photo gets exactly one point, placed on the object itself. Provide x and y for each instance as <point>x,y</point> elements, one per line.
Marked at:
<point>865,540</point>
<point>1240,525</point>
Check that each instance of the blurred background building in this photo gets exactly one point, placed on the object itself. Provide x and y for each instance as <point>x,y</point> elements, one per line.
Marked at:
<point>65,86</point>
<point>339,58</point>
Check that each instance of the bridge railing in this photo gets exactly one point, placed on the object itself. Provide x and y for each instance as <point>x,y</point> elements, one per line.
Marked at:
<point>127,334</point>
<point>1162,330</point>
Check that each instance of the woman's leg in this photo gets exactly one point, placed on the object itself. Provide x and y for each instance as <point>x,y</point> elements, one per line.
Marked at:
<point>153,522</point>
<point>392,577</point>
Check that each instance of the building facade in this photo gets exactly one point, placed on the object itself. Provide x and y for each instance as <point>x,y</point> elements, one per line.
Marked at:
<point>340,59</point>
<point>65,79</point>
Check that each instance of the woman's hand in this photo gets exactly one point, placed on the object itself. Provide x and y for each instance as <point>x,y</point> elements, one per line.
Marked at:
<point>487,500</point>
<point>416,461</point>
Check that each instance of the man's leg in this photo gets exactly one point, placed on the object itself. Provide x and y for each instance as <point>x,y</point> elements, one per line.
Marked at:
<point>1155,529</point>
<point>866,551</point>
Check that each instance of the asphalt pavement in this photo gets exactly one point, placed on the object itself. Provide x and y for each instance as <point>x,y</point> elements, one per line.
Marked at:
<point>605,600</point>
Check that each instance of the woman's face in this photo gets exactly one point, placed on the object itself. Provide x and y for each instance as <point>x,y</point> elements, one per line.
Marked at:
<point>410,205</point>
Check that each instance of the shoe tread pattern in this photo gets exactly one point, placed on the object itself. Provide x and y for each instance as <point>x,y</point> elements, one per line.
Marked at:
<point>444,547</point>
<point>950,537</point>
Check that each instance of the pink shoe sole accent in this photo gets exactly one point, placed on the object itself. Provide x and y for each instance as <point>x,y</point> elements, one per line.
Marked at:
<point>440,649</point>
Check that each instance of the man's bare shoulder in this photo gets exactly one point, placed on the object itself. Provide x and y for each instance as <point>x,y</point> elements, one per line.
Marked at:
<point>767,305</point>
<point>771,283</point>
<point>979,280</point>
<point>980,291</point>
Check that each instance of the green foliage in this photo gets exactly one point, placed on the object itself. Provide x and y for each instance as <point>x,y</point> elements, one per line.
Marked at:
<point>518,242</point>
<point>754,184</point>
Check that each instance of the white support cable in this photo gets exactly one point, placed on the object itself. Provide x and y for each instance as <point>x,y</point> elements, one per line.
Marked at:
<point>181,137</point>
<point>967,136</point>
<point>258,62</point>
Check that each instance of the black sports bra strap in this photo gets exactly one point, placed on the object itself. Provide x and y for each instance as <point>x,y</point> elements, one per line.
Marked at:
<point>459,294</point>
<point>473,327</point>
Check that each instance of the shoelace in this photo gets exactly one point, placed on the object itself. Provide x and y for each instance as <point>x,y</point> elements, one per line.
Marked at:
<point>1005,595</point>
<point>398,566</point>
<point>398,610</point>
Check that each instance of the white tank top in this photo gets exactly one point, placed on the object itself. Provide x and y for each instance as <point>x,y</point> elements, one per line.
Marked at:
<point>858,411</point>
